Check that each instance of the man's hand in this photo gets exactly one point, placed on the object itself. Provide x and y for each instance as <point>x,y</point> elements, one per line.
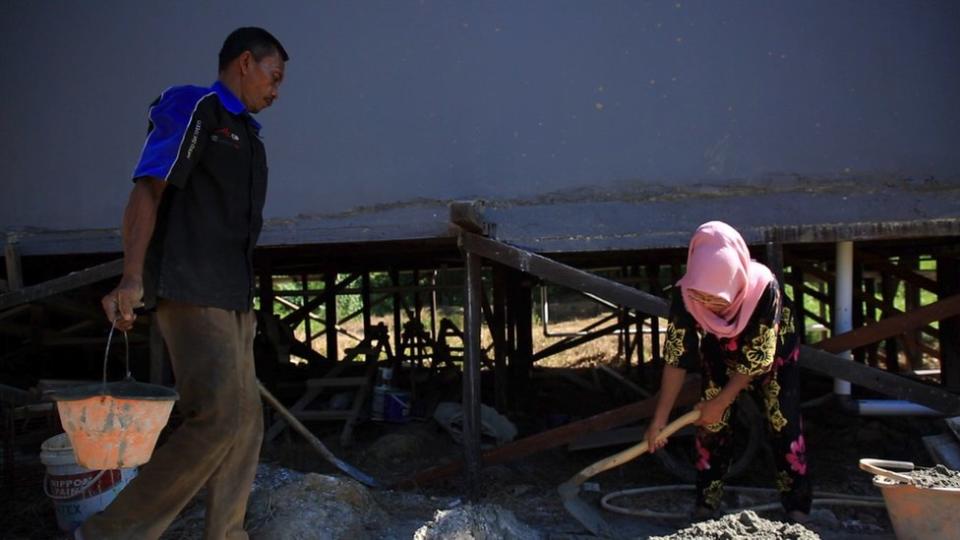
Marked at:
<point>711,411</point>
<point>120,303</point>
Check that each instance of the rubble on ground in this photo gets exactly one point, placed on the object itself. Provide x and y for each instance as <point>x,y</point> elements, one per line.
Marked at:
<point>476,522</point>
<point>315,507</point>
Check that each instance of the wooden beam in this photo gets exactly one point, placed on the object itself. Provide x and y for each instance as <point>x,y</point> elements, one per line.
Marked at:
<point>59,285</point>
<point>880,381</point>
<point>560,436</point>
<point>562,274</point>
<point>892,326</point>
<point>468,215</point>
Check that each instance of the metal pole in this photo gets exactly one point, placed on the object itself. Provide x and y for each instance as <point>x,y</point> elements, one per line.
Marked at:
<point>843,304</point>
<point>471,372</point>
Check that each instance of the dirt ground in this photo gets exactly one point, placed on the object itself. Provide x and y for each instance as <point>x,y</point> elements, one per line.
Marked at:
<point>526,488</point>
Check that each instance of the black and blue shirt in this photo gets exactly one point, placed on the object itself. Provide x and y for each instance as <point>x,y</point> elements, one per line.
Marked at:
<point>204,143</point>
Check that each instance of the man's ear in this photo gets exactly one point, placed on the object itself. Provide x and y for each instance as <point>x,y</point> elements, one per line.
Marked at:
<point>246,61</point>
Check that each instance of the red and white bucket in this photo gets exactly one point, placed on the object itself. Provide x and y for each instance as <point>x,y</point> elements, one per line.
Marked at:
<point>77,492</point>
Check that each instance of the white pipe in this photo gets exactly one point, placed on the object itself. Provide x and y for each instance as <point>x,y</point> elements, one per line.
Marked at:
<point>843,304</point>
<point>893,407</point>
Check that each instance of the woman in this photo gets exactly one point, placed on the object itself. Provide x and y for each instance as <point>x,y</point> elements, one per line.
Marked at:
<point>730,320</point>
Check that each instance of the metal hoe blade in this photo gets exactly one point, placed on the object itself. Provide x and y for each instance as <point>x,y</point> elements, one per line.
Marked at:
<point>586,514</point>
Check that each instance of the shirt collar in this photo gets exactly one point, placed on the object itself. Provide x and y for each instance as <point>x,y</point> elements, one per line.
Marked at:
<point>232,103</point>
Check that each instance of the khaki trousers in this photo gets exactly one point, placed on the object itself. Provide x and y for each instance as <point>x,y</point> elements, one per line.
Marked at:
<point>218,444</point>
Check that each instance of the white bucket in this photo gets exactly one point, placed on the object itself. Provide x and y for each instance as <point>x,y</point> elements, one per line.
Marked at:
<point>77,493</point>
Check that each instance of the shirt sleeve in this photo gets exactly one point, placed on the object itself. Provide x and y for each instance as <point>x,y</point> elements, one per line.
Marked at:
<point>681,347</point>
<point>176,137</point>
<point>758,342</point>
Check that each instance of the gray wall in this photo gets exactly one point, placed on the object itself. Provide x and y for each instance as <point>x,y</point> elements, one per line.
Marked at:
<point>392,101</point>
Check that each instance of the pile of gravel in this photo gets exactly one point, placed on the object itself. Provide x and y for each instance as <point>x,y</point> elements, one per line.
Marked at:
<point>476,522</point>
<point>743,525</point>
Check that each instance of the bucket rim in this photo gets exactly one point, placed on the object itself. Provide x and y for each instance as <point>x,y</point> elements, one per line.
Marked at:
<point>886,483</point>
<point>119,389</point>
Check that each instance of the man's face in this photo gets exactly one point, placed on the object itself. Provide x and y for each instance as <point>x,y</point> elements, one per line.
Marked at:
<point>261,81</point>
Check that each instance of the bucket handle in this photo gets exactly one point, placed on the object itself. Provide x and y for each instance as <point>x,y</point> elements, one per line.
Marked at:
<point>79,491</point>
<point>106,354</point>
<point>876,466</point>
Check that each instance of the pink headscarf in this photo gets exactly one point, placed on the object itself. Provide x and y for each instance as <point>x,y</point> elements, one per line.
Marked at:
<point>718,263</point>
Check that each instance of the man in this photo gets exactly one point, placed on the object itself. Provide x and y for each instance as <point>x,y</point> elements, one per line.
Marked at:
<point>189,231</point>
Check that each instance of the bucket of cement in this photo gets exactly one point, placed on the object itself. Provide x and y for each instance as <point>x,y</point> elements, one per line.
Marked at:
<point>923,503</point>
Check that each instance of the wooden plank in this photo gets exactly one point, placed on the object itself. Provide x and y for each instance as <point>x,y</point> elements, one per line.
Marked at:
<point>560,436</point>
<point>892,326</point>
<point>880,381</point>
<point>63,284</point>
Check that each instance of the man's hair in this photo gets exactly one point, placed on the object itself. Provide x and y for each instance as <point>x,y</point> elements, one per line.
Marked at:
<point>258,41</point>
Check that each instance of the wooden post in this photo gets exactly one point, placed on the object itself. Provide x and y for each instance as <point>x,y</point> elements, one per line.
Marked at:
<point>912,302</point>
<point>889,285</point>
<point>471,372</point>
<point>858,306</point>
<point>367,308</point>
<point>11,256</point>
<point>266,290</point>
<point>870,289</point>
<point>498,331</point>
<point>433,305</point>
<point>330,282</point>
<point>948,280</point>
<point>774,252</point>
<point>397,326</point>
<point>523,303</point>
<point>653,277</point>
<point>305,283</point>
<point>799,309</point>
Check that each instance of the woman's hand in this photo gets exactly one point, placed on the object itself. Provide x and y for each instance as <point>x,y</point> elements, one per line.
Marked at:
<point>711,411</point>
<point>654,441</point>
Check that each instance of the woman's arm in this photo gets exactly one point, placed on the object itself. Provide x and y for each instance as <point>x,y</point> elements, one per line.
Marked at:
<point>711,410</point>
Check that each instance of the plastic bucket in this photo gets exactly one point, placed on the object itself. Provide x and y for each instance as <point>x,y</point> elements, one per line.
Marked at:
<point>77,492</point>
<point>114,425</point>
<point>396,406</point>
<point>917,513</point>
<point>921,513</point>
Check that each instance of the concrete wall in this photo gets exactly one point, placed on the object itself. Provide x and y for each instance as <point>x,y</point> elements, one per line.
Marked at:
<point>392,101</point>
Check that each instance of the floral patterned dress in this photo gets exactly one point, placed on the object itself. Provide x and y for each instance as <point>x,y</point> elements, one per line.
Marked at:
<point>767,350</point>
